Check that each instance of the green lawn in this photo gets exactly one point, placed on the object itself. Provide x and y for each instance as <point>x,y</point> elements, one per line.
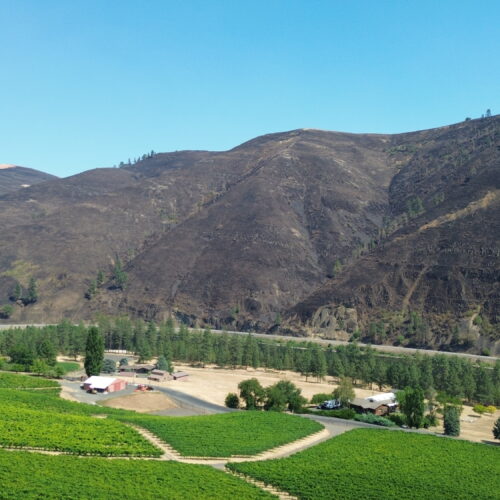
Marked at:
<point>68,366</point>
<point>30,476</point>
<point>375,464</point>
<point>239,433</point>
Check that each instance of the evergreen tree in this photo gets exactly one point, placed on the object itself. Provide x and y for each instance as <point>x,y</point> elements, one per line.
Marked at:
<point>119,275</point>
<point>207,351</point>
<point>235,351</point>
<point>18,293</point>
<point>318,362</point>
<point>163,364</point>
<point>167,354</point>
<point>32,296</point>
<point>451,420</point>
<point>94,352</point>
<point>411,402</point>
<point>496,429</point>
<point>47,352</point>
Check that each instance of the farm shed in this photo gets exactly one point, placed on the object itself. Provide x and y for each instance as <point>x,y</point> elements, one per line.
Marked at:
<point>180,375</point>
<point>139,368</point>
<point>381,408</point>
<point>159,375</point>
<point>104,384</point>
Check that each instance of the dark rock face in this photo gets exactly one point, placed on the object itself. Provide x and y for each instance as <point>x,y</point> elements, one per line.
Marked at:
<point>290,229</point>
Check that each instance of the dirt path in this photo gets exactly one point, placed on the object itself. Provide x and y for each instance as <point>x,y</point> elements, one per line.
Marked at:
<point>282,451</point>
<point>282,495</point>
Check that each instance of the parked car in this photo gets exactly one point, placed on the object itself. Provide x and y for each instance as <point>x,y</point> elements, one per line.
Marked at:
<point>331,404</point>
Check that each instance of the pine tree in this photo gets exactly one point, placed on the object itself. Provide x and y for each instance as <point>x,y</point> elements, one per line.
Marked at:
<point>94,352</point>
<point>496,429</point>
<point>18,293</point>
<point>119,275</point>
<point>32,292</point>
<point>451,420</point>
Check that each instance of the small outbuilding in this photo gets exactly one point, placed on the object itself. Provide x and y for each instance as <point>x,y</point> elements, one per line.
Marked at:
<point>380,404</point>
<point>180,375</point>
<point>104,384</point>
<point>139,368</point>
<point>159,376</point>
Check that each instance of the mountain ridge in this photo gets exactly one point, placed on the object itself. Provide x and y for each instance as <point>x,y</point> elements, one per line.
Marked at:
<point>249,238</point>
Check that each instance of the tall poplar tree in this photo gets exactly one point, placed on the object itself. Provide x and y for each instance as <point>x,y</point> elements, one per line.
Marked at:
<point>94,352</point>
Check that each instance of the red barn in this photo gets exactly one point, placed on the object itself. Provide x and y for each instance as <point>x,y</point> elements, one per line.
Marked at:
<point>104,384</point>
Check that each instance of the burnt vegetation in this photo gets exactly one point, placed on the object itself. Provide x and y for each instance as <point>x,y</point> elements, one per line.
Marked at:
<point>390,239</point>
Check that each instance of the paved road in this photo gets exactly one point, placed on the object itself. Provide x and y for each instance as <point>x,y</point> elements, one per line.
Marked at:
<point>384,348</point>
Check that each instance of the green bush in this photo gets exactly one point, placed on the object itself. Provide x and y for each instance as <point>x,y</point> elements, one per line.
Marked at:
<point>319,398</point>
<point>232,400</point>
<point>430,420</point>
<point>479,409</point>
<point>397,418</point>
<point>369,418</point>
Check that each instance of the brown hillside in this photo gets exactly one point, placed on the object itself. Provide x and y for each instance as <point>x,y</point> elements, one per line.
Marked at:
<point>246,237</point>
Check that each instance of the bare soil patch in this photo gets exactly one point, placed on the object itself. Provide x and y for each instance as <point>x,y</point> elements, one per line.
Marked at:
<point>212,384</point>
<point>141,402</point>
<point>474,427</point>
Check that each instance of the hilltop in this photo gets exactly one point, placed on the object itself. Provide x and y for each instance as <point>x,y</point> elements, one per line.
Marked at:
<point>13,177</point>
<point>307,231</point>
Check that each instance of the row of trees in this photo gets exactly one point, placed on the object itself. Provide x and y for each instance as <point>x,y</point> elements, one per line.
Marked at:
<point>458,377</point>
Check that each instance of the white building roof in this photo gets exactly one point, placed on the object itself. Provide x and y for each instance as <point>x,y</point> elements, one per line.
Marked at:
<point>386,396</point>
<point>98,382</point>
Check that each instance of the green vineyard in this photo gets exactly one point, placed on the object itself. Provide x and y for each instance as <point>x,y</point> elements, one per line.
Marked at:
<point>374,464</point>
<point>241,433</point>
<point>15,381</point>
<point>23,428</point>
<point>30,476</point>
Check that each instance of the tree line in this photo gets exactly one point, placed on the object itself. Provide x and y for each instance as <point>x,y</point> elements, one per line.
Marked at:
<point>458,377</point>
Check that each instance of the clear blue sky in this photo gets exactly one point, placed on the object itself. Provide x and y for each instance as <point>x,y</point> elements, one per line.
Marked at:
<point>88,83</point>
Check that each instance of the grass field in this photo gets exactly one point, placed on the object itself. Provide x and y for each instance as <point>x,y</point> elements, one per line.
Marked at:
<point>30,476</point>
<point>374,464</point>
<point>241,433</point>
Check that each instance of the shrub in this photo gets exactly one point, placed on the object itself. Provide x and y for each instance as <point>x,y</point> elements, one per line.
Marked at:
<point>491,409</point>
<point>397,418</point>
<point>369,418</point>
<point>232,400</point>
<point>319,398</point>
<point>430,420</point>
<point>479,409</point>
